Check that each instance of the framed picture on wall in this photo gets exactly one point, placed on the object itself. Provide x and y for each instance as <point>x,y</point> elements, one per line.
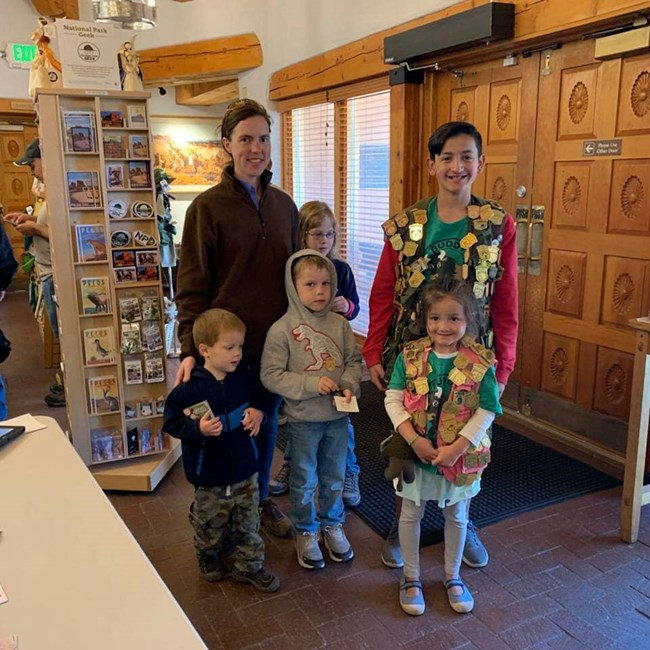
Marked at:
<point>189,149</point>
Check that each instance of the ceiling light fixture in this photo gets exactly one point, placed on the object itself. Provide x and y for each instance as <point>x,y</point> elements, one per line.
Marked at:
<point>127,14</point>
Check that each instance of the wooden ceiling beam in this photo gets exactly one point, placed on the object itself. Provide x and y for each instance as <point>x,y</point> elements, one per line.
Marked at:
<point>201,60</point>
<point>57,8</point>
<point>207,94</point>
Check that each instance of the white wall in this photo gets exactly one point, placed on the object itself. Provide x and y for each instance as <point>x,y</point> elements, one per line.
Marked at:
<point>288,30</point>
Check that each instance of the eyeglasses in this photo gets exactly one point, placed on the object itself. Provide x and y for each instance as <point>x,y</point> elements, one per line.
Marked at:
<point>317,234</point>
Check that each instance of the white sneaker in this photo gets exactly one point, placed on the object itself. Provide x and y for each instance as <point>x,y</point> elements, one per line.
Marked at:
<point>308,551</point>
<point>337,543</point>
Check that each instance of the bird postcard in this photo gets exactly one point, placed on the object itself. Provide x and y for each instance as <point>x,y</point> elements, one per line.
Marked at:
<point>99,346</point>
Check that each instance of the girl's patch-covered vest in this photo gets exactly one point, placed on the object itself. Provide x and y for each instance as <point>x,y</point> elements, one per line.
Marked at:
<point>470,366</point>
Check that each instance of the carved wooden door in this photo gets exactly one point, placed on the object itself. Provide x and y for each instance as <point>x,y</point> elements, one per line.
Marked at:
<point>15,182</point>
<point>501,101</point>
<point>566,144</point>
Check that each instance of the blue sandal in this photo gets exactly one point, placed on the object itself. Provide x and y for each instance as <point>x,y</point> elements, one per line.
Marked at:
<point>412,605</point>
<point>464,603</point>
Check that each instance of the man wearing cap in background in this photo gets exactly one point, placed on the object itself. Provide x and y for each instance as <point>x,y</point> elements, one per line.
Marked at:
<point>35,225</point>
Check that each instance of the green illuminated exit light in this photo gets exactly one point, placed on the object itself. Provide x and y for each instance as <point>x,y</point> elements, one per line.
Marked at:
<point>23,52</point>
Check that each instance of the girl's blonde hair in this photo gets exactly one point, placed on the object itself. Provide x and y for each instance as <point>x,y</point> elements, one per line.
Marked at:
<point>311,216</point>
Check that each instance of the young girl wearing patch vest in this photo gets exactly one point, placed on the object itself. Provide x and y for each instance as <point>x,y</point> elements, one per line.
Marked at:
<point>442,399</point>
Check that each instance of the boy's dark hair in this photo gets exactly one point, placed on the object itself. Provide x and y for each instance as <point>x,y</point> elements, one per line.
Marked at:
<point>306,261</point>
<point>460,291</point>
<point>212,323</point>
<point>240,110</point>
<point>450,130</point>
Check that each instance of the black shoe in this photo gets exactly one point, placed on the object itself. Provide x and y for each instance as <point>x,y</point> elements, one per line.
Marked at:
<point>260,579</point>
<point>211,569</point>
<point>55,400</point>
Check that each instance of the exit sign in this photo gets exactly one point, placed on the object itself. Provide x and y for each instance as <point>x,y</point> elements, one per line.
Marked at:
<point>20,55</point>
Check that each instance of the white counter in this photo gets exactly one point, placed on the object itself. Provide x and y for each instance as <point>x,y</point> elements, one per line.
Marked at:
<point>75,576</point>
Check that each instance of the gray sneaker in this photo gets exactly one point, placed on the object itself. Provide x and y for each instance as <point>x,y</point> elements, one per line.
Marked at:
<point>308,551</point>
<point>279,484</point>
<point>351,493</point>
<point>391,553</point>
<point>337,543</point>
<point>474,553</point>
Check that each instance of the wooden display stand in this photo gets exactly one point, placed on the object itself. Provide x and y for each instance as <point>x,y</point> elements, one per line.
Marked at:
<point>98,171</point>
<point>635,494</point>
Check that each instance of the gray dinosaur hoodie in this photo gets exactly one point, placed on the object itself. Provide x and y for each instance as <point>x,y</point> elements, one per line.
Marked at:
<point>304,346</point>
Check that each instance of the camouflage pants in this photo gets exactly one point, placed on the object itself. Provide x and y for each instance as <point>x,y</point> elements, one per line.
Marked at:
<point>226,522</point>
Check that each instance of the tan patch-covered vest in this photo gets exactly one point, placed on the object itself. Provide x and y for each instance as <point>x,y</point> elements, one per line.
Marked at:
<point>482,252</point>
<point>470,366</point>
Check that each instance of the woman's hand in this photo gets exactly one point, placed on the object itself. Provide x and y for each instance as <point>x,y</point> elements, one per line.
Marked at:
<point>184,370</point>
<point>252,420</point>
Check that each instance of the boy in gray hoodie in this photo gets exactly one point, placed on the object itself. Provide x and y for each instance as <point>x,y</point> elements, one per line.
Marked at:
<point>308,356</point>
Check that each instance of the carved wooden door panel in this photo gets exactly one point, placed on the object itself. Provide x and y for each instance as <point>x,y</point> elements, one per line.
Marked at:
<point>592,185</point>
<point>502,103</point>
<point>15,182</point>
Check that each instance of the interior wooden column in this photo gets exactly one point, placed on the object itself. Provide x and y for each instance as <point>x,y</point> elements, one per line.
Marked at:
<point>406,149</point>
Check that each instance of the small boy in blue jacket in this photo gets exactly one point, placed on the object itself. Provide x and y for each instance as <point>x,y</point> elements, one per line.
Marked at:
<point>214,416</point>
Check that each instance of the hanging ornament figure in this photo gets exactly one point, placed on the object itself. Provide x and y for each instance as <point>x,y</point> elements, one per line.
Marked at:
<point>130,73</point>
<point>45,71</point>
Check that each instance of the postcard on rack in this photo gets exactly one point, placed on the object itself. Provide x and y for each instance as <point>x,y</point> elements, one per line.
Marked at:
<point>99,346</point>
<point>95,295</point>
<point>91,242</point>
<point>112,119</point>
<point>83,190</point>
<point>139,174</point>
<point>139,146</point>
<point>133,371</point>
<point>104,395</point>
<point>114,176</point>
<point>79,130</point>
<point>112,146</point>
<point>137,115</point>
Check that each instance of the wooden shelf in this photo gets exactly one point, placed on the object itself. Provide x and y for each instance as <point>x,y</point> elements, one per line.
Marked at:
<point>140,474</point>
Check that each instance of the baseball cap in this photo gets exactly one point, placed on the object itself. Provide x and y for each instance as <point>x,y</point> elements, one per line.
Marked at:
<point>32,151</point>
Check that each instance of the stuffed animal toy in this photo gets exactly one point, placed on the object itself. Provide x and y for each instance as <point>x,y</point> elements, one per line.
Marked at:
<point>401,459</point>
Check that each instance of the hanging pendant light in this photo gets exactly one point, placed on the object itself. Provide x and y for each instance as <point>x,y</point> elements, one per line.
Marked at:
<point>127,14</point>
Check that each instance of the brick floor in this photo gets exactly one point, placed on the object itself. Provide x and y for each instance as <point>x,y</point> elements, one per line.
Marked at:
<point>559,577</point>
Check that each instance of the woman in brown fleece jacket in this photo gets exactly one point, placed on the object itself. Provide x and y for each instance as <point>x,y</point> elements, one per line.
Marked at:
<point>236,240</point>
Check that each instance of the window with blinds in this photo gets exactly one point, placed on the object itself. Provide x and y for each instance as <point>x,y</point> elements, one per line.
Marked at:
<point>312,134</point>
<point>364,194</point>
<point>352,177</point>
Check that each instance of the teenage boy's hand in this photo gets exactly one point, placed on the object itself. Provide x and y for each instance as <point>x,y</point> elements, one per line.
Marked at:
<point>210,426</point>
<point>252,420</point>
<point>184,370</point>
<point>378,376</point>
<point>326,385</point>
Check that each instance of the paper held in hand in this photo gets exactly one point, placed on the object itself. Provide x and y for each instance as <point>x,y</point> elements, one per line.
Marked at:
<point>343,407</point>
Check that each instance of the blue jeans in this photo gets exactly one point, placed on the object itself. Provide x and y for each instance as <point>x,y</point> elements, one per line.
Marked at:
<point>351,464</point>
<point>47,289</point>
<point>318,461</point>
<point>270,404</point>
<point>4,411</point>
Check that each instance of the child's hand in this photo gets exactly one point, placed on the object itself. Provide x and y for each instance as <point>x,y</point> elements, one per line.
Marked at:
<point>252,420</point>
<point>210,426</point>
<point>340,305</point>
<point>326,385</point>
<point>424,449</point>
<point>449,454</point>
<point>347,395</point>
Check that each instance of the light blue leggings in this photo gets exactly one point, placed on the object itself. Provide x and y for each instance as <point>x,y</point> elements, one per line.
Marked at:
<point>456,517</point>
